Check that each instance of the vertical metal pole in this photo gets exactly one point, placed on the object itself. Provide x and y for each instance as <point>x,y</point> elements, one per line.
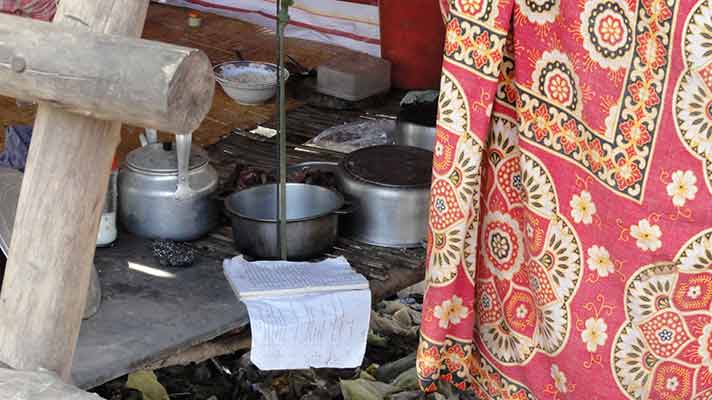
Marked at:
<point>282,20</point>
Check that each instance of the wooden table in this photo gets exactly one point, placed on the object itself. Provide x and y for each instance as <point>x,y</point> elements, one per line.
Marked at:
<point>150,313</point>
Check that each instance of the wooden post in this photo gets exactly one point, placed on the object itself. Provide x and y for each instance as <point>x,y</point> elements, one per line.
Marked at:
<point>41,385</point>
<point>53,243</point>
<point>107,77</point>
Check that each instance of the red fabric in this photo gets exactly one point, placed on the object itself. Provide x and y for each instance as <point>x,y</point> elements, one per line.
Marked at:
<point>37,9</point>
<point>412,40</point>
<point>570,253</point>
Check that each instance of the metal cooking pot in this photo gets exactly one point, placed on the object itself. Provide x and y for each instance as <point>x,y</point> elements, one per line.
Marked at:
<point>390,188</point>
<point>166,191</point>
<point>412,134</point>
<point>312,220</point>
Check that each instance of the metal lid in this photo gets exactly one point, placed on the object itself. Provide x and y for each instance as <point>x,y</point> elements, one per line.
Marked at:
<point>161,158</point>
<point>391,165</point>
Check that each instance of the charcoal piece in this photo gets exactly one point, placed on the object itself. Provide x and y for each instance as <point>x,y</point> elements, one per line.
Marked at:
<point>173,254</point>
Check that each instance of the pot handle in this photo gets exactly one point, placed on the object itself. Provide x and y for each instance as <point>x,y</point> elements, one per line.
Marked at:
<point>326,166</point>
<point>349,207</point>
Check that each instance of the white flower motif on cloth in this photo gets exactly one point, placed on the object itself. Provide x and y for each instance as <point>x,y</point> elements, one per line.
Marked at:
<point>439,149</point>
<point>539,11</point>
<point>693,93</point>
<point>559,379</point>
<point>451,311</point>
<point>582,208</point>
<point>647,236</point>
<point>600,261</point>
<point>607,31</point>
<point>682,187</point>
<point>694,292</point>
<point>594,334</point>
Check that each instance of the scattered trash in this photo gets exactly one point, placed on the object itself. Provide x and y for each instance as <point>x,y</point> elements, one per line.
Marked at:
<point>387,372</point>
<point>356,135</point>
<point>173,254</point>
<point>264,132</point>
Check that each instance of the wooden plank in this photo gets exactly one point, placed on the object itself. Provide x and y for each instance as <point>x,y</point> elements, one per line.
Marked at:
<point>150,312</point>
<point>106,77</point>
<point>47,275</point>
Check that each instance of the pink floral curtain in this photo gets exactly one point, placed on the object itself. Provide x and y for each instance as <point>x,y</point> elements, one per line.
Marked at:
<point>570,251</point>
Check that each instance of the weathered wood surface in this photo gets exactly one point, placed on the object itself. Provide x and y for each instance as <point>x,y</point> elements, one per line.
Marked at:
<point>108,77</point>
<point>226,344</point>
<point>23,385</point>
<point>150,312</point>
<point>65,183</point>
<point>153,316</point>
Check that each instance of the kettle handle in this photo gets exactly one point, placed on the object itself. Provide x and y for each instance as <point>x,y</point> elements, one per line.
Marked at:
<point>183,144</point>
<point>150,136</point>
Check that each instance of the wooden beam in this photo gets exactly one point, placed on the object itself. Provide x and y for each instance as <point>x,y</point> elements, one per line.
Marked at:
<point>53,243</point>
<point>108,77</point>
<point>45,385</point>
<point>226,344</point>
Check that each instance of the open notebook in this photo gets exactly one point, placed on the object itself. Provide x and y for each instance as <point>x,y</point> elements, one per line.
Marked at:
<point>303,315</point>
<point>279,278</point>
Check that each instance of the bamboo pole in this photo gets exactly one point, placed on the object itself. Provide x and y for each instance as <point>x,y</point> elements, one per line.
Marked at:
<point>282,21</point>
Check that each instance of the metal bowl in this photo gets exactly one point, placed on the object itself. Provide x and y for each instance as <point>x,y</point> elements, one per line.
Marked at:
<point>312,220</point>
<point>248,82</point>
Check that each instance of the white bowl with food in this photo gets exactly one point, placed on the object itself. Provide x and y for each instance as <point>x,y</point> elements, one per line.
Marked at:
<point>248,82</point>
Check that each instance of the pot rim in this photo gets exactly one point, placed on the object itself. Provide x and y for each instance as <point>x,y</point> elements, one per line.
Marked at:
<point>234,213</point>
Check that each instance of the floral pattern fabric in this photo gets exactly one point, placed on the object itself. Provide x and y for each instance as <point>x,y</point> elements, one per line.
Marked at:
<point>570,245</point>
<point>37,9</point>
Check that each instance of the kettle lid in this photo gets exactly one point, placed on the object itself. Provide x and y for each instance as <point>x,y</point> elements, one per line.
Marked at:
<point>162,158</point>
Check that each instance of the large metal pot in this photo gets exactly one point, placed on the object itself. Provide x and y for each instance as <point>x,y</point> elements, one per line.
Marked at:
<point>389,186</point>
<point>412,134</point>
<point>416,125</point>
<point>166,192</point>
<point>312,220</point>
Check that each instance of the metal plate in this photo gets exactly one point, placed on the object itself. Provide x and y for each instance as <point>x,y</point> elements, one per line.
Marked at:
<point>391,165</point>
